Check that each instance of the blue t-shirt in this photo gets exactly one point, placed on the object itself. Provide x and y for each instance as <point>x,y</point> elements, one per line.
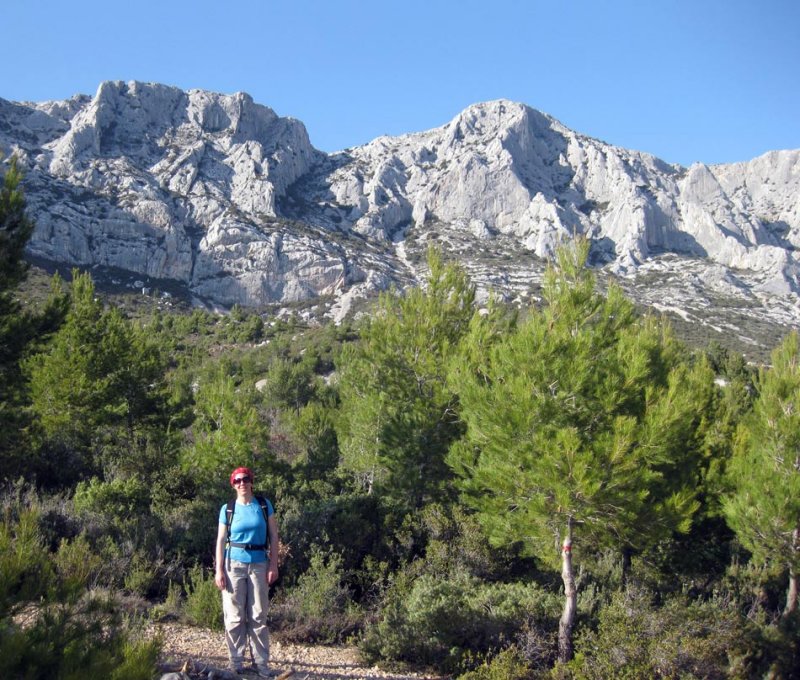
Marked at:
<point>248,526</point>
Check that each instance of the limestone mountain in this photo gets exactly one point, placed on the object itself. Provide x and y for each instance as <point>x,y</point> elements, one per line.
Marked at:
<point>218,194</point>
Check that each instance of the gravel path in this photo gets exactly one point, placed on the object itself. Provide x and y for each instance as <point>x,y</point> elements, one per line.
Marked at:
<point>184,643</point>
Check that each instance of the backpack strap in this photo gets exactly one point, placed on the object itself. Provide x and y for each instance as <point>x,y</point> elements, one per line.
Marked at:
<point>229,510</point>
<point>264,507</point>
<point>265,510</point>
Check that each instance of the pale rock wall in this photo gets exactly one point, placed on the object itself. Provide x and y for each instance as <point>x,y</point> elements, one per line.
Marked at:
<point>223,195</point>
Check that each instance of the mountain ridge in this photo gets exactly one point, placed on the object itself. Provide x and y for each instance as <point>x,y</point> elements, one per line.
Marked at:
<point>222,195</point>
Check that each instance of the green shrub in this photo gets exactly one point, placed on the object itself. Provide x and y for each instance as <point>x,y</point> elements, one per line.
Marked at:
<point>781,649</point>
<point>319,608</point>
<point>67,631</point>
<point>349,525</point>
<point>141,575</point>
<point>25,570</point>
<point>679,639</point>
<point>190,526</point>
<point>507,665</point>
<point>120,499</point>
<point>172,485</point>
<point>172,606</point>
<point>57,519</point>
<point>69,639</point>
<point>203,599</point>
<point>77,563</point>
<point>458,543</point>
<point>114,560</point>
<point>445,622</point>
<point>138,661</point>
<point>538,645</point>
<point>120,507</point>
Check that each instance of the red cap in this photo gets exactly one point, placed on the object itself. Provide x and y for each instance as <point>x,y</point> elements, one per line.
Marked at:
<point>241,471</point>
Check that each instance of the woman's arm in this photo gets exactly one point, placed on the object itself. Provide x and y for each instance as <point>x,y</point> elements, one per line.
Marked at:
<point>272,527</point>
<point>219,561</point>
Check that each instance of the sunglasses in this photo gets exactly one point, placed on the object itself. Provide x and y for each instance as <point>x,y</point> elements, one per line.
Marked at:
<point>242,480</point>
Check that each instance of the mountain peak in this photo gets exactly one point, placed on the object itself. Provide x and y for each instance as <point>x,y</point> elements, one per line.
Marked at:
<point>220,194</point>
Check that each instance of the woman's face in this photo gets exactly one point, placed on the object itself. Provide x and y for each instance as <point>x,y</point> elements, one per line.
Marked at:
<point>243,484</point>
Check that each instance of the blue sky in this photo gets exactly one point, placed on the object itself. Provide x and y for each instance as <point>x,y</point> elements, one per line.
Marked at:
<point>715,81</point>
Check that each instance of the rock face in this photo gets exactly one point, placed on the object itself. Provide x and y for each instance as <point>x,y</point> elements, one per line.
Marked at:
<point>504,168</point>
<point>222,195</point>
<point>170,185</point>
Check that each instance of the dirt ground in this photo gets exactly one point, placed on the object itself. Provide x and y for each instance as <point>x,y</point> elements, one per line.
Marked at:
<point>201,647</point>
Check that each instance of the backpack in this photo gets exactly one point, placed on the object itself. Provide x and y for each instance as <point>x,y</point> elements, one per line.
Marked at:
<point>231,508</point>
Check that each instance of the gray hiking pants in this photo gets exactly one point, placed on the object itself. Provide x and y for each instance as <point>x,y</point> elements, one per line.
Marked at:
<point>245,602</point>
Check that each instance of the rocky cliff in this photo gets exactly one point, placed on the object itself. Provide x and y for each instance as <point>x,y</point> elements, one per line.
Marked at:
<point>221,195</point>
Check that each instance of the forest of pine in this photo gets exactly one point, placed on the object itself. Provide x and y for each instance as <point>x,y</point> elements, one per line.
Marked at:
<point>565,491</point>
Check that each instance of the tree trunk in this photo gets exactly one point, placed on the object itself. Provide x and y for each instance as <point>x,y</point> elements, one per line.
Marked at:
<point>791,595</point>
<point>794,577</point>
<point>570,599</point>
<point>626,565</point>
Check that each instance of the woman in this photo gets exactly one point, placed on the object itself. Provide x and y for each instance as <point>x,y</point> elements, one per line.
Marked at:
<point>246,566</point>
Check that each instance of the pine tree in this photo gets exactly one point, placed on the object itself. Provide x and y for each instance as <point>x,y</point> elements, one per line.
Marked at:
<point>97,389</point>
<point>581,426</point>
<point>15,326</point>
<point>398,415</point>
<point>764,472</point>
<point>227,431</point>
<point>15,230</point>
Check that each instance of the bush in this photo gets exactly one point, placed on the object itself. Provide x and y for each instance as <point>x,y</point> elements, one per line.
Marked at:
<point>319,608</point>
<point>138,661</point>
<point>507,665</point>
<point>349,525</point>
<point>681,638</point>
<point>25,567</point>
<point>445,622</point>
<point>57,519</point>
<point>120,499</point>
<point>172,606</point>
<point>83,638</point>
<point>141,576</point>
<point>122,506</point>
<point>66,630</point>
<point>203,599</point>
<point>457,542</point>
<point>781,649</point>
<point>190,526</point>
<point>78,564</point>
<point>538,645</point>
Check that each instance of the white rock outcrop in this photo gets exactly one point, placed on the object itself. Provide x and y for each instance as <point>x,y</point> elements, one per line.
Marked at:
<point>522,173</point>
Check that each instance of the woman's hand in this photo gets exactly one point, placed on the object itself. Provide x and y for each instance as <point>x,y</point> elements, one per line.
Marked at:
<point>272,573</point>
<point>219,579</point>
